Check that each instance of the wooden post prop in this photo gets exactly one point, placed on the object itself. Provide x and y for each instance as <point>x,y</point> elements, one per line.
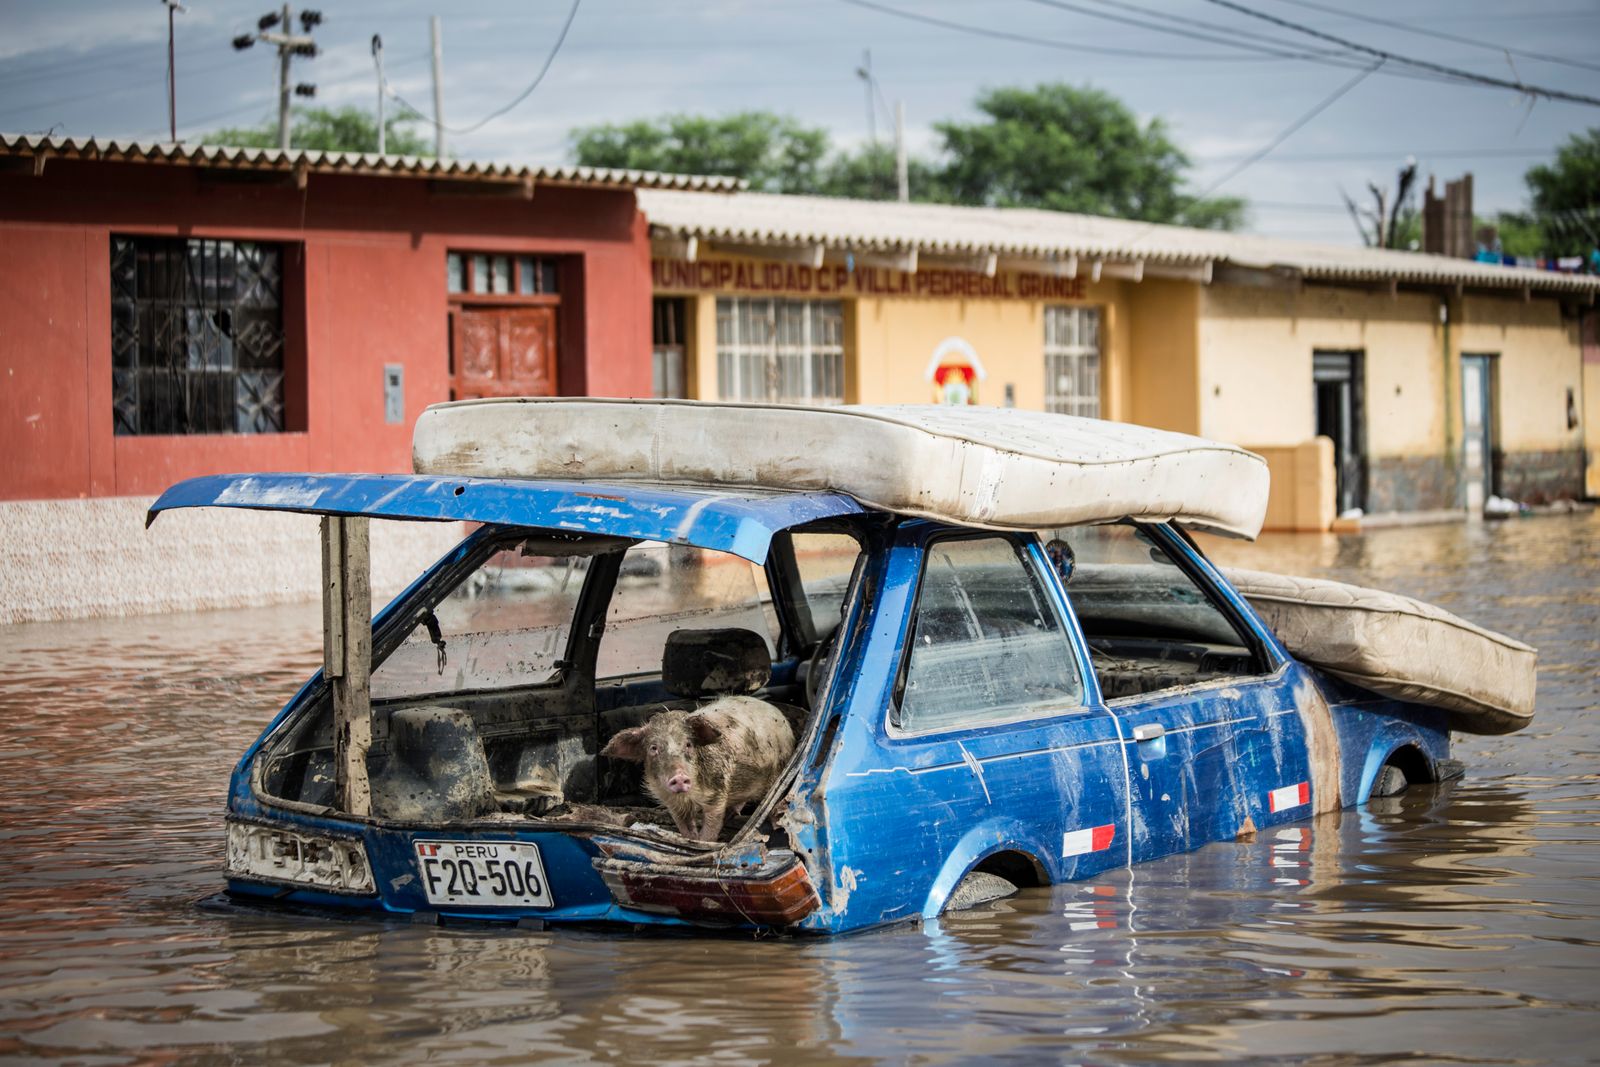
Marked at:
<point>347,654</point>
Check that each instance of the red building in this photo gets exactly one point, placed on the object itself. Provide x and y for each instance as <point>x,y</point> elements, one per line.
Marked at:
<point>170,311</point>
<point>167,312</point>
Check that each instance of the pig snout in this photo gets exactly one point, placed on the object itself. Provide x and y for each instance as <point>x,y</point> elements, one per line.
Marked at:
<point>679,782</point>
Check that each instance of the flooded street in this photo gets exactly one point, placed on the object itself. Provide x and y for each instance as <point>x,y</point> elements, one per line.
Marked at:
<point>1452,925</point>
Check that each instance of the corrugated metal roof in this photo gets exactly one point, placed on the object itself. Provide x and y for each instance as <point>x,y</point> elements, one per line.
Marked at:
<point>314,162</point>
<point>943,229</point>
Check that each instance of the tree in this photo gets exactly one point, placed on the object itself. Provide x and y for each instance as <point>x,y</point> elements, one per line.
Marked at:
<point>869,174</point>
<point>1392,221</point>
<point>1070,149</point>
<point>1565,194</point>
<point>773,153</point>
<point>346,129</point>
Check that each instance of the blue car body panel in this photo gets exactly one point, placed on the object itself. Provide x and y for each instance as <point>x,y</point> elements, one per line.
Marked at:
<point>738,522</point>
<point>886,824</point>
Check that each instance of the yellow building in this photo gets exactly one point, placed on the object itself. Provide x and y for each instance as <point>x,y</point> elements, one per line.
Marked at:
<point>1372,380</point>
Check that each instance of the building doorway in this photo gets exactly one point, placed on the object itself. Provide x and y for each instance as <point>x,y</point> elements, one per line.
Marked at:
<point>1336,380</point>
<point>668,359</point>
<point>504,312</point>
<point>1477,429</point>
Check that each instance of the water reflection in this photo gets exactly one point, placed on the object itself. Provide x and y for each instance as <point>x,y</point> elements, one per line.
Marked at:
<point>1455,924</point>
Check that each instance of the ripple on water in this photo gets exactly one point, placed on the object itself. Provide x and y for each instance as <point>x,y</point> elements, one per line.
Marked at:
<point>1455,925</point>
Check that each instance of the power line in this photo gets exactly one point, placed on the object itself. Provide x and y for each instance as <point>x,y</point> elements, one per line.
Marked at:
<point>1421,64</point>
<point>1236,41</point>
<point>1393,153</point>
<point>1044,42</point>
<point>1287,132</point>
<point>1440,34</point>
<point>1290,130</point>
<point>548,60</point>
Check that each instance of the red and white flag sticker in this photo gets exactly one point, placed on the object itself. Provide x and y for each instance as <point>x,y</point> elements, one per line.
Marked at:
<point>1093,839</point>
<point>1290,796</point>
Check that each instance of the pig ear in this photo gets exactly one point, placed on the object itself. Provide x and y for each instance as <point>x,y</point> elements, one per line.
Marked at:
<point>626,744</point>
<point>704,730</point>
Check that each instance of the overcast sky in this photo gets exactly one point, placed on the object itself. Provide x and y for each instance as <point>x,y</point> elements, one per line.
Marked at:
<point>97,67</point>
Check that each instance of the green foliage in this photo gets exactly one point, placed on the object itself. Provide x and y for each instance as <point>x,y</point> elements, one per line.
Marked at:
<point>773,153</point>
<point>1073,149</point>
<point>1055,147</point>
<point>346,129</point>
<point>869,174</point>
<point>1566,196</point>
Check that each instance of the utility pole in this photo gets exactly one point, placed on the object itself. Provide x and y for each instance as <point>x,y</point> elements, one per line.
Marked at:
<point>864,72</point>
<point>901,176</point>
<point>438,87</point>
<point>289,45</point>
<point>173,8</point>
<point>377,57</point>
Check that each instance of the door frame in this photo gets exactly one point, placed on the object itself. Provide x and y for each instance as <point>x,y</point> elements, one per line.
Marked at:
<point>1488,483</point>
<point>1350,456</point>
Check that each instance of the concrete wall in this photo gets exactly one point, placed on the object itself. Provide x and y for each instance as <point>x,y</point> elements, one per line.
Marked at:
<point>1164,374</point>
<point>371,253</point>
<point>1256,348</point>
<point>63,559</point>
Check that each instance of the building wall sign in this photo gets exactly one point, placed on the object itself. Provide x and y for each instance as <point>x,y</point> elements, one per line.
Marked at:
<point>756,276</point>
<point>955,370</point>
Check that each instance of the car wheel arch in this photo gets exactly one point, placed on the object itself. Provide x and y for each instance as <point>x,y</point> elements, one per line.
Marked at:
<point>1401,749</point>
<point>982,849</point>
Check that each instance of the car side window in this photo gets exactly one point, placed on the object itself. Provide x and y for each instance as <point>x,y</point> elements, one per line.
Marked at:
<point>986,642</point>
<point>1148,624</point>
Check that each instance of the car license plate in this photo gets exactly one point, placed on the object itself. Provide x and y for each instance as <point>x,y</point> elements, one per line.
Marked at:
<point>483,874</point>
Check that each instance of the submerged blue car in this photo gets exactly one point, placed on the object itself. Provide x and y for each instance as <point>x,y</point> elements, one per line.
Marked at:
<point>981,697</point>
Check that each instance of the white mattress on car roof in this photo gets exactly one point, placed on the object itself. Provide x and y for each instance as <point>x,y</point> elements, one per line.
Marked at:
<point>994,467</point>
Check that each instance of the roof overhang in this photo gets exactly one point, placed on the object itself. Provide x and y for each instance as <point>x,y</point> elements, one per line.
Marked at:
<point>449,175</point>
<point>906,236</point>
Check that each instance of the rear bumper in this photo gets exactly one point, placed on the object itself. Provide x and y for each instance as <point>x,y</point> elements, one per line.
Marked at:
<point>592,877</point>
<point>776,893</point>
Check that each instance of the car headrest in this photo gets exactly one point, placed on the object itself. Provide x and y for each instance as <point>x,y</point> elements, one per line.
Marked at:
<point>700,663</point>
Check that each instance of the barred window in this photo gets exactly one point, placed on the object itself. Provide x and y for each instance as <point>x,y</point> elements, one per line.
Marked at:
<point>780,351</point>
<point>197,342</point>
<point>1072,361</point>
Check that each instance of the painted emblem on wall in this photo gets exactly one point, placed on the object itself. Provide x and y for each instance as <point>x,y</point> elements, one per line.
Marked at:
<point>955,371</point>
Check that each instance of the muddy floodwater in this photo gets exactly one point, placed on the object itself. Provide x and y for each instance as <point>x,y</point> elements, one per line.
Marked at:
<point>1454,925</point>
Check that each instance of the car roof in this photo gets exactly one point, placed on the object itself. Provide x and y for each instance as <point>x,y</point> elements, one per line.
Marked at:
<point>739,521</point>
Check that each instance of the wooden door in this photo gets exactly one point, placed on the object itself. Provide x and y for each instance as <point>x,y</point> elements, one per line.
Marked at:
<point>507,351</point>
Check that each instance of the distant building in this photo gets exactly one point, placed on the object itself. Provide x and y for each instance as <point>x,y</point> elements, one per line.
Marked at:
<point>1437,381</point>
<point>169,311</point>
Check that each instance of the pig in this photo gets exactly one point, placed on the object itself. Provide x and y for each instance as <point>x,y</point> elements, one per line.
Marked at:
<point>701,765</point>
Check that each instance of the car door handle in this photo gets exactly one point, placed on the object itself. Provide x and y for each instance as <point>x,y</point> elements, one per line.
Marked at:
<point>1149,731</point>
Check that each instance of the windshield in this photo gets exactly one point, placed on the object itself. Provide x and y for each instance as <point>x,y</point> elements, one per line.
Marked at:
<point>506,624</point>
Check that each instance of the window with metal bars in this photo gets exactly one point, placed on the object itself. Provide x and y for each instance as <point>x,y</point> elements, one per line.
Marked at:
<point>1072,361</point>
<point>780,351</point>
<point>197,341</point>
<point>667,347</point>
